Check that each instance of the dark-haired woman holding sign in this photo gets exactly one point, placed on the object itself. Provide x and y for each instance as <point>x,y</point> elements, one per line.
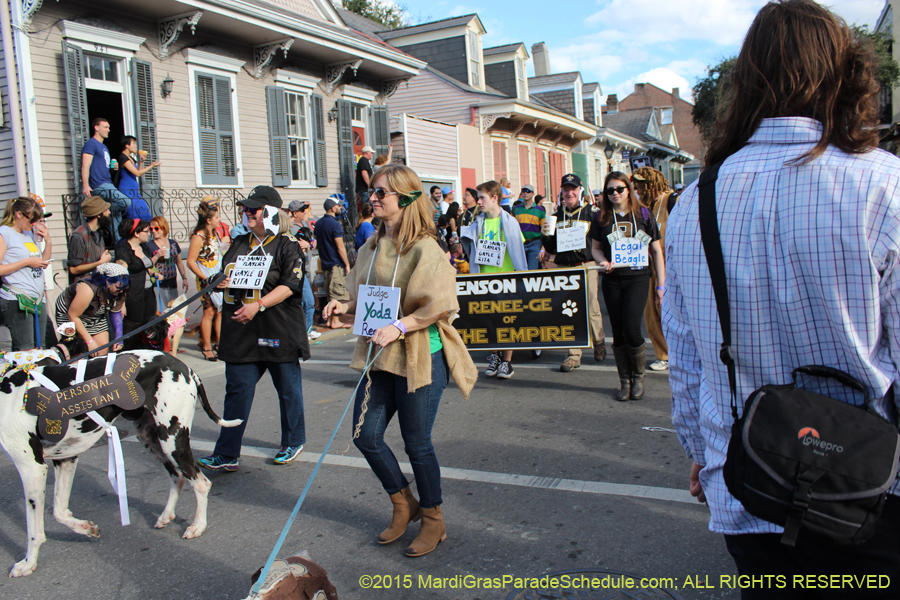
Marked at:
<point>263,330</point>
<point>417,350</point>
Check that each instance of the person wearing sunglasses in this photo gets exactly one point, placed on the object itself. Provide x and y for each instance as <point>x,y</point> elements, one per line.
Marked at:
<point>169,264</point>
<point>140,302</point>
<point>415,353</point>
<point>622,216</point>
<point>572,213</point>
<point>204,260</point>
<point>22,267</point>
<point>95,302</point>
<point>260,331</point>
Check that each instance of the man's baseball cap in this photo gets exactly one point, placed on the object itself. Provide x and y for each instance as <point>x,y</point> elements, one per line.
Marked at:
<point>94,206</point>
<point>297,206</point>
<point>597,192</point>
<point>527,188</point>
<point>447,190</point>
<point>40,202</point>
<point>571,179</point>
<point>368,149</point>
<point>262,195</point>
<point>330,203</point>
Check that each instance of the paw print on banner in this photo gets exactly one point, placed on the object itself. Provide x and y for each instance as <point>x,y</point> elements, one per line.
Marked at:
<point>569,309</point>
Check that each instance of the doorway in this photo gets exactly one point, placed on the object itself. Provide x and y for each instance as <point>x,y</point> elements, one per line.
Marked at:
<point>107,105</point>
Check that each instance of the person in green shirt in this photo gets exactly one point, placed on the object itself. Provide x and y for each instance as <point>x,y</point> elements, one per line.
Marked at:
<point>494,224</point>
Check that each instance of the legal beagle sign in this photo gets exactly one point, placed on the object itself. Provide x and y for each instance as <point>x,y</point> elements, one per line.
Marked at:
<point>54,409</point>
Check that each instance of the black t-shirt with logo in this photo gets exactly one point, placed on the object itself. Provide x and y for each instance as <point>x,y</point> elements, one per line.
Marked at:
<point>645,222</point>
<point>277,334</point>
<point>363,165</point>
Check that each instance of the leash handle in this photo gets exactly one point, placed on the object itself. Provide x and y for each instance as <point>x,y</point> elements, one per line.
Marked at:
<point>213,283</point>
<point>254,592</point>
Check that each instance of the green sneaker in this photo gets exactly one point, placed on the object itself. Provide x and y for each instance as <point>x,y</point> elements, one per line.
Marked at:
<point>287,454</point>
<point>217,462</point>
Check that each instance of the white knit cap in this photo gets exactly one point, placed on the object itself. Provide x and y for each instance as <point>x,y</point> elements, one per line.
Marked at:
<point>112,269</point>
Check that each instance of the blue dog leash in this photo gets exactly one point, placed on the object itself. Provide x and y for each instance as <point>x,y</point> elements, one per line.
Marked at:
<point>254,592</point>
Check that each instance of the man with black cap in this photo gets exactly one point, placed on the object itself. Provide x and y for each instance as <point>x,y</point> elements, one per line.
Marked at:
<point>86,251</point>
<point>301,231</point>
<point>333,256</point>
<point>260,333</point>
<point>572,213</point>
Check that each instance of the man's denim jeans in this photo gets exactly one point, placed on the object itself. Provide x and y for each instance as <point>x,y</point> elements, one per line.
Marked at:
<point>119,203</point>
<point>532,250</point>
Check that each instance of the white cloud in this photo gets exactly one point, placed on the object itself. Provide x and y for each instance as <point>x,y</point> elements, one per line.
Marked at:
<point>862,12</point>
<point>665,78</point>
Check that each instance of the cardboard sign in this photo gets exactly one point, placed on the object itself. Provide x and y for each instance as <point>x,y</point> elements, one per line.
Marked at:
<point>377,306</point>
<point>490,253</point>
<point>629,252</point>
<point>250,271</point>
<point>524,310</point>
<point>572,237</point>
<point>54,409</point>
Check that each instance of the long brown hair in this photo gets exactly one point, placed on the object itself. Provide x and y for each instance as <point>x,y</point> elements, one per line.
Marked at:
<point>416,219</point>
<point>606,207</point>
<point>800,60</point>
<point>27,206</point>
<point>654,185</point>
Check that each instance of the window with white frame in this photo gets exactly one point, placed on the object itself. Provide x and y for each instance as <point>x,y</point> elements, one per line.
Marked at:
<point>297,115</point>
<point>474,60</point>
<point>666,117</point>
<point>101,68</point>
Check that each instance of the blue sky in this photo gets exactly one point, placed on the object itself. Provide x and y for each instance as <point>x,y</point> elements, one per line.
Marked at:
<point>618,43</point>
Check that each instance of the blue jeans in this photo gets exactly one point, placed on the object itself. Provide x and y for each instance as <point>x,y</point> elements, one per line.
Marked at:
<point>416,412</point>
<point>119,204</point>
<point>532,250</point>
<point>309,303</point>
<point>240,386</point>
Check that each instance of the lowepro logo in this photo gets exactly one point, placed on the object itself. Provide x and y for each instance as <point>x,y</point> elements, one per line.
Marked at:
<point>810,437</point>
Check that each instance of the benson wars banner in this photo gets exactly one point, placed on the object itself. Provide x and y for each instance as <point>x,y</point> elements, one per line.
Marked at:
<point>527,310</point>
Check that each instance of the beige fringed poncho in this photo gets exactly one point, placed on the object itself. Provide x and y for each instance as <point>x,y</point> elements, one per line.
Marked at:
<point>428,289</point>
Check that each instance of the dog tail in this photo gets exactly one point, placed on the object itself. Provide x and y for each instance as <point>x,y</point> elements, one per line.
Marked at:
<point>201,391</point>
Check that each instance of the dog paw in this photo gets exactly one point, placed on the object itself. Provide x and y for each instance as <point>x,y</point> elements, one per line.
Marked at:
<point>194,531</point>
<point>93,530</point>
<point>23,568</point>
<point>164,520</point>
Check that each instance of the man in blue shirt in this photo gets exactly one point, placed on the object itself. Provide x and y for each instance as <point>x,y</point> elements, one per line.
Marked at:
<point>95,173</point>
<point>335,264</point>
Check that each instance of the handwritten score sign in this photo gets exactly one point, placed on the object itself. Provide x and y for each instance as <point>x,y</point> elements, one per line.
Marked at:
<point>376,307</point>
<point>490,253</point>
<point>572,237</point>
<point>250,271</point>
<point>629,252</point>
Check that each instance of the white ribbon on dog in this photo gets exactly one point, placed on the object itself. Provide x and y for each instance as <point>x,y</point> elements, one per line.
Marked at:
<point>116,463</point>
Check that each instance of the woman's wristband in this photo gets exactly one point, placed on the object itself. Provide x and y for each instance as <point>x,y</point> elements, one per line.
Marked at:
<point>660,288</point>
<point>399,325</point>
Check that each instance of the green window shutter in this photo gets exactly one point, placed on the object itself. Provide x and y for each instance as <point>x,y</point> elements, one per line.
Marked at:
<point>348,159</point>
<point>580,168</point>
<point>216,131</point>
<point>381,129</point>
<point>78,113</point>
<point>278,140</point>
<point>145,118</point>
<point>318,121</point>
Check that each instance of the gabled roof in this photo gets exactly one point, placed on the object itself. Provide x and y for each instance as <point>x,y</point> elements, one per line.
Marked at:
<point>589,88</point>
<point>508,48</point>
<point>359,22</point>
<point>633,123</point>
<point>660,89</point>
<point>554,78</point>
<point>432,26</point>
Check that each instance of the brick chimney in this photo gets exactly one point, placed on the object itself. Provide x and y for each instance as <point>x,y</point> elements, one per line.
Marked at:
<point>612,104</point>
<point>541,57</point>
<point>675,94</point>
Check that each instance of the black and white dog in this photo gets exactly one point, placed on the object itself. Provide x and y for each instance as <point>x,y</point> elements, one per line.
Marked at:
<point>171,390</point>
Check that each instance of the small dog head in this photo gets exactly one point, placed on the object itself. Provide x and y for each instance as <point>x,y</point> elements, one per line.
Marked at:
<point>295,578</point>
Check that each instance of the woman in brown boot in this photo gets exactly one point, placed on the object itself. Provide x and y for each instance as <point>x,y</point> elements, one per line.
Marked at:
<point>420,350</point>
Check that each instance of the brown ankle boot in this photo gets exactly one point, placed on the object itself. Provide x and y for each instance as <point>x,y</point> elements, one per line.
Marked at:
<point>430,535</point>
<point>406,509</point>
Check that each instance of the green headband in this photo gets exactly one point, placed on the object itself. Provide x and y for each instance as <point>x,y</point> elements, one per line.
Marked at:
<point>406,200</point>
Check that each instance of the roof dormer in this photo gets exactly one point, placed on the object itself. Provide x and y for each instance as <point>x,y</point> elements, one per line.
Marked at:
<point>451,46</point>
<point>590,102</point>
<point>505,69</point>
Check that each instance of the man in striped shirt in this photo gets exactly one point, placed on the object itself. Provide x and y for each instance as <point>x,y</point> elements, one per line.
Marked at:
<point>530,216</point>
<point>809,220</point>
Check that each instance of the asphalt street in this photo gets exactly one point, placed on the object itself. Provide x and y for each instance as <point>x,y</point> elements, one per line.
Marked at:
<point>542,473</point>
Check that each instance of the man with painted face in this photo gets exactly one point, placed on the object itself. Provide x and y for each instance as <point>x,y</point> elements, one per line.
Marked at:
<point>572,213</point>
<point>260,333</point>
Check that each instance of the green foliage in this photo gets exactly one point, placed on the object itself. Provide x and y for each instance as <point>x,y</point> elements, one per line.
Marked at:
<point>709,90</point>
<point>385,12</point>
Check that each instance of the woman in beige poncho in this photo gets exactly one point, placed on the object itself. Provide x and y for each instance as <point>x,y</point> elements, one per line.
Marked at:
<point>419,349</point>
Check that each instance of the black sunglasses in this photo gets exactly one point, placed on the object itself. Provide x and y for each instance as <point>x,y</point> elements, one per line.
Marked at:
<point>380,193</point>
<point>618,190</point>
<point>250,210</point>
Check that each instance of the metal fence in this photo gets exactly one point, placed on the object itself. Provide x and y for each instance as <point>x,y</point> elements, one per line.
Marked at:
<point>178,206</point>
